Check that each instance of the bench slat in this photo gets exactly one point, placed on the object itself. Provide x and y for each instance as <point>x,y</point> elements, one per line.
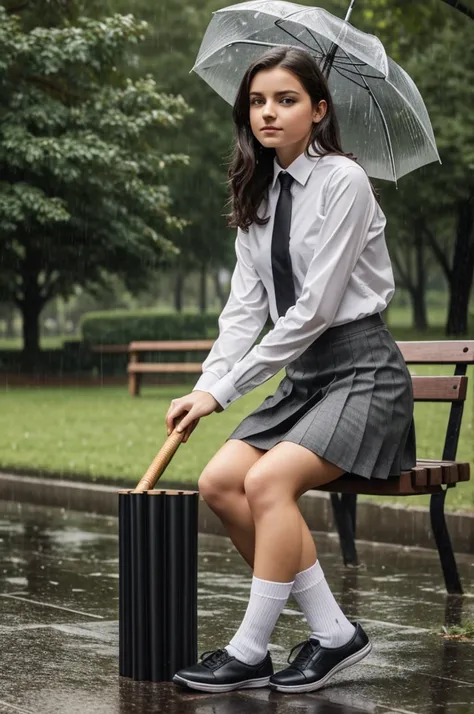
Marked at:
<point>419,476</point>
<point>170,345</point>
<point>434,471</point>
<point>163,367</point>
<point>439,389</point>
<point>452,471</point>
<point>402,486</point>
<point>443,352</point>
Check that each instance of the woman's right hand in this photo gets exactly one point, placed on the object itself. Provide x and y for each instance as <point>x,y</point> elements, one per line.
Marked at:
<point>199,402</point>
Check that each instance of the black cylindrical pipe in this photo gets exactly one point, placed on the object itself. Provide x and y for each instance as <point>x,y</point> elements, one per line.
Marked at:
<point>125,623</point>
<point>189,580</point>
<point>174,566</point>
<point>158,549</point>
<point>139,586</point>
<point>157,582</point>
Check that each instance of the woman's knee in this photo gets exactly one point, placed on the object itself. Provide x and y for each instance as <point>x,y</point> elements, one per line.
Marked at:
<point>218,484</point>
<point>262,490</point>
<point>223,477</point>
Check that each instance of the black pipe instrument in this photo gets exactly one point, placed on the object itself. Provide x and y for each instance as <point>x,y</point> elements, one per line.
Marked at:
<point>158,535</point>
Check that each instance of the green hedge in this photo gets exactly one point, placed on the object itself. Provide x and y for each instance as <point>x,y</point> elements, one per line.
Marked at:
<point>72,358</point>
<point>119,327</point>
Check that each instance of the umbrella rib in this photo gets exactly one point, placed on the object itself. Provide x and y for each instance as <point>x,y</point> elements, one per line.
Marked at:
<point>384,123</point>
<point>349,62</point>
<point>297,38</point>
<point>351,79</point>
<point>360,74</point>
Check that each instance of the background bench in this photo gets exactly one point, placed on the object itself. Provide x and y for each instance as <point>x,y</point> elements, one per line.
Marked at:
<point>137,369</point>
<point>433,477</point>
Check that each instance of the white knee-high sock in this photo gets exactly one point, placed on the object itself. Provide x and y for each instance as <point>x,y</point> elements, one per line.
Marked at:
<point>267,600</point>
<point>328,623</point>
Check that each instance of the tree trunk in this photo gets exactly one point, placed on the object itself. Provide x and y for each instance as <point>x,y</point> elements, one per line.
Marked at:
<point>219,292</point>
<point>418,293</point>
<point>462,271</point>
<point>418,304</point>
<point>31,337</point>
<point>413,275</point>
<point>203,289</point>
<point>178,290</point>
<point>10,322</point>
<point>31,304</point>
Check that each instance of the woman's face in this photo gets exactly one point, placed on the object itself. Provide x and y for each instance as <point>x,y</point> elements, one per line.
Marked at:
<point>277,98</point>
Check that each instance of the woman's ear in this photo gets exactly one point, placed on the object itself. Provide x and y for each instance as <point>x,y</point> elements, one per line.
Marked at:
<point>320,111</point>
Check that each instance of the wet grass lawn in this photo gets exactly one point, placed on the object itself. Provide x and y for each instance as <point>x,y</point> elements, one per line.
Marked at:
<point>102,432</point>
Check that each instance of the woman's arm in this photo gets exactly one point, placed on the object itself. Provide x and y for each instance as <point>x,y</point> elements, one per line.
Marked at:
<point>241,320</point>
<point>350,206</point>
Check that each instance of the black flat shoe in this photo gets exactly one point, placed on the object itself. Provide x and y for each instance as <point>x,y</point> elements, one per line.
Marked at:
<point>314,665</point>
<point>219,672</point>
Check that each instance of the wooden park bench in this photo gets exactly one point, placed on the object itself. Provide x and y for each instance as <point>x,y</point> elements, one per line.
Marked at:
<point>433,477</point>
<point>137,369</point>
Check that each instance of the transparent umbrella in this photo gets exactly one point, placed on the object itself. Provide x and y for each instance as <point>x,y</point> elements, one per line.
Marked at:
<point>381,113</point>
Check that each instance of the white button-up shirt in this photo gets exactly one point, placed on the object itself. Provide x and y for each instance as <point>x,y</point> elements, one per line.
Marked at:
<point>341,271</point>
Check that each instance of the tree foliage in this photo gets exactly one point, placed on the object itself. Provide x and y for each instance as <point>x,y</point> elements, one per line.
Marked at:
<point>82,184</point>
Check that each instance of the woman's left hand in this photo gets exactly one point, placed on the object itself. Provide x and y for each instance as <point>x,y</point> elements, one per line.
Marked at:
<point>194,405</point>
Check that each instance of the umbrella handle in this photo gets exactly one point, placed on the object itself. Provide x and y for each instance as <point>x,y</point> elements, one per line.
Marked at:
<point>161,460</point>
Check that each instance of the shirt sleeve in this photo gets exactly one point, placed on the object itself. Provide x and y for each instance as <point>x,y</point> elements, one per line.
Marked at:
<point>350,206</point>
<point>241,320</point>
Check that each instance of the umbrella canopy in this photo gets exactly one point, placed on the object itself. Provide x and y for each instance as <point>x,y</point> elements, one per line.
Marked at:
<point>382,116</point>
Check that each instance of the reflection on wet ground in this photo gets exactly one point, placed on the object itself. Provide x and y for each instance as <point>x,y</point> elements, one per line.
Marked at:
<point>59,627</point>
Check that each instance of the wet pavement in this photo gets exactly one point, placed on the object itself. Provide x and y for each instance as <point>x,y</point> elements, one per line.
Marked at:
<point>59,626</point>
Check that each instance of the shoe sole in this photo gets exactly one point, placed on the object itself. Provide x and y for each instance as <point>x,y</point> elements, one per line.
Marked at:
<point>311,687</point>
<point>202,687</point>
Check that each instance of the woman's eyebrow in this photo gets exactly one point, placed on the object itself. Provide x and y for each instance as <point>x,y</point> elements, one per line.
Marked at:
<point>284,91</point>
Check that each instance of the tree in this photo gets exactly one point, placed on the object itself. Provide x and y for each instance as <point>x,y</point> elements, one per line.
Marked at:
<point>199,188</point>
<point>434,43</point>
<point>82,191</point>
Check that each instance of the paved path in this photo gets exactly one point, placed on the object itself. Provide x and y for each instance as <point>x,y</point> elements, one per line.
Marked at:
<point>59,628</point>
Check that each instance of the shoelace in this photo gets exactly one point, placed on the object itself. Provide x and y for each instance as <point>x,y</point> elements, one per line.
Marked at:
<point>306,651</point>
<point>213,658</point>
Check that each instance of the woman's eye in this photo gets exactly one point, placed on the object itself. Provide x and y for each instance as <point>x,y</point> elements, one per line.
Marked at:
<point>254,101</point>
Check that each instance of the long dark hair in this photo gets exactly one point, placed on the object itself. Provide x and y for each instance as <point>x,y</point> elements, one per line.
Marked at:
<point>251,165</point>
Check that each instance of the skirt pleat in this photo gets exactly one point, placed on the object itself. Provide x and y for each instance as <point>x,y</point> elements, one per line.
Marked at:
<point>348,398</point>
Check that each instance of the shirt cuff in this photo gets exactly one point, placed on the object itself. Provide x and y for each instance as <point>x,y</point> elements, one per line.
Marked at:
<point>206,380</point>
<point>224,391</point>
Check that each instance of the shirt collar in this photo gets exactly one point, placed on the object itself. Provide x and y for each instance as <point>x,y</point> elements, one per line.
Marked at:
<point>300,168</point>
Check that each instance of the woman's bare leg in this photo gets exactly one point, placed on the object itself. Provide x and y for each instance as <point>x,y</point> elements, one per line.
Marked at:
<point>272,486</point>
<point>222,487</point>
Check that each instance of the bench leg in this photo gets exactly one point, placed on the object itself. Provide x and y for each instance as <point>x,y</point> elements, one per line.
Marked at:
<point>344,510</point>
<point>134,384</point>
<point>443,543</point>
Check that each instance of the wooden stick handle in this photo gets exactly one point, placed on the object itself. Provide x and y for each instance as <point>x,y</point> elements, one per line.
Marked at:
<point>161,460</point>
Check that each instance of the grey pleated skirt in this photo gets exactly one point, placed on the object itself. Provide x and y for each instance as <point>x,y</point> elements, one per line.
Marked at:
<point>347,398</point>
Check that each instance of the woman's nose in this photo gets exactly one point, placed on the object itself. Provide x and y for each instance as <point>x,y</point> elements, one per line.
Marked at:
<point>268,111</point>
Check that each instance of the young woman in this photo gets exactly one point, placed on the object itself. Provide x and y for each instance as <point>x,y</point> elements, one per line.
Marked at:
<point>345,403</point>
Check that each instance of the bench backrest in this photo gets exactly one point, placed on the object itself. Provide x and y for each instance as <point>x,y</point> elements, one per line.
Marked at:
<point>442,389</point>
<point>170,345</point>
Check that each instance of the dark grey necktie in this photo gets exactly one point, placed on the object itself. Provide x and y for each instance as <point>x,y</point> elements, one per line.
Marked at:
<point>281,261</point>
